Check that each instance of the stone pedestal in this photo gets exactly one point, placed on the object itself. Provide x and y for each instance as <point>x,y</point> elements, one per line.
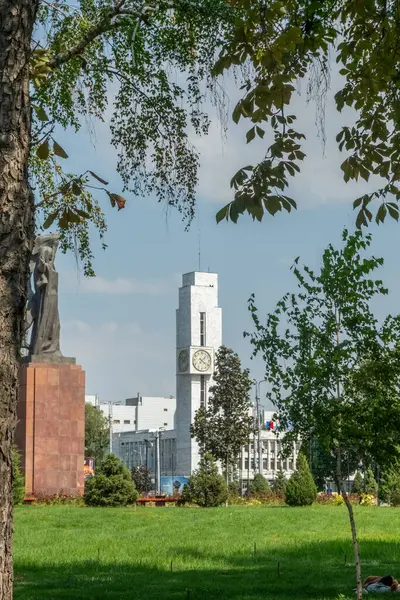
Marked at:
<point>51,427</point>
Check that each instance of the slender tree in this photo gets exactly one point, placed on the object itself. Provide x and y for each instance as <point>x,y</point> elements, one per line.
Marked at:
<point>358,484</point>
<point>61,64</point>
<point>97,435</point>
<point>279,483</point>
<point>371,486</point>
<point>334,371</point>
<point>225,424</point>
<point>141,478</point>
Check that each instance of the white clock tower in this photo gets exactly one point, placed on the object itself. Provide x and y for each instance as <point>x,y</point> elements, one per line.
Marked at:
<point>198,337</point>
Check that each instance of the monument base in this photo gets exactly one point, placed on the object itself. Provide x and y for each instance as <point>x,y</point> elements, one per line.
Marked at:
<point>51,427</point>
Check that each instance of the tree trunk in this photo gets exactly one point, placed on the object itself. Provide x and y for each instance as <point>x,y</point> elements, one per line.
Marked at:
<point>356,550</point>
<point>16,235</point>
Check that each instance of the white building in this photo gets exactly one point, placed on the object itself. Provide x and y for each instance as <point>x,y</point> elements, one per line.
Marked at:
<point>140,412</point>
<point>198,337</point>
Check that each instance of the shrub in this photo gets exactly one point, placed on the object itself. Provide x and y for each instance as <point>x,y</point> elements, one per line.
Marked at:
<point>269,498</point>
<point>279,484</point>
<point>336,499</point>
<point>358,484</point>
<point>18,480</point>
<point>234,488</point>
<point>259,484</point>
<point>58,499</point>
<point>206,487</point>
<point>301,489</point>
<point>371,487</point>
<point>395,497</point>
<point>367,499</point>
<point>113,486</point>
<point>141,478</point>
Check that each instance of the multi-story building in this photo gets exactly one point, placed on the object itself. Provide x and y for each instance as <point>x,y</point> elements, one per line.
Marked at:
<point>140,412</point>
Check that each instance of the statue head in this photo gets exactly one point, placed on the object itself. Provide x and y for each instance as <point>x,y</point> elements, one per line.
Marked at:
<point>46,247</point>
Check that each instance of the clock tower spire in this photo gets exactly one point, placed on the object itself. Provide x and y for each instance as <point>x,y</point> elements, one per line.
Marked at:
<point>198,337</point>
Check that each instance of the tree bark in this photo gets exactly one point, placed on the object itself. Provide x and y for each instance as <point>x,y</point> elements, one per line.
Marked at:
<point>356,550</point>
<point>16,235</point>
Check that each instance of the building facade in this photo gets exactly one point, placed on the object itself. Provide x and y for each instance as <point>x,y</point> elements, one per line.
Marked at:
<point>198,337</point>
<point>140,412</point>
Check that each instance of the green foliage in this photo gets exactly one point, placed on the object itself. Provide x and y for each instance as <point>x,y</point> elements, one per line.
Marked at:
<point>259,484</point>
<point>97,434</point>
<point>89,53</point>
<point>358,484</point>
<point>279,484</point>
<point>371,486</point>
<point>331,366</point>
<point>367,499</point>
<point>333,369</point>
<point>206,487</point>
<point>141,478</point>
<point>302,36</point>
<point>224,425</point>
<point>389,487</point>
<point>18,480</point>
<point>300,488</point>
<point>112,486</point>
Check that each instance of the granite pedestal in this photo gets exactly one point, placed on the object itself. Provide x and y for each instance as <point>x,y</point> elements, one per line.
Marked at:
<point>51,426</point>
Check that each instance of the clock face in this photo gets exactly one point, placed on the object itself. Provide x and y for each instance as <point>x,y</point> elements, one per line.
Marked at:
<point>183,360</point>
<point>201,360</point>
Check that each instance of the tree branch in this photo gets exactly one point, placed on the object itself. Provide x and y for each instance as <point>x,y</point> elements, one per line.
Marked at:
<point>105,24</point>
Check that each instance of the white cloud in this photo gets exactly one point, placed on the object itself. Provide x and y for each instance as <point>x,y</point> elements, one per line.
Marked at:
<point>72,283</point>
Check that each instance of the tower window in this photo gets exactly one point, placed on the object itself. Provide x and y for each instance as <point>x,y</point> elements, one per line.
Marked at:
<point>202,329</point>
<point>202,390</point>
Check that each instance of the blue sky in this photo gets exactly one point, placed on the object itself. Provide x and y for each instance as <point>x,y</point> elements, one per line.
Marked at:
<point>121,325</point>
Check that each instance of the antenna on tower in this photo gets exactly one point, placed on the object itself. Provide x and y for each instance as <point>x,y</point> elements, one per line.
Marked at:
<point>199,237</point>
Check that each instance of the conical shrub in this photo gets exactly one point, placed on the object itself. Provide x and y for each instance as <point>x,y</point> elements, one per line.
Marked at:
<point>301,489</point>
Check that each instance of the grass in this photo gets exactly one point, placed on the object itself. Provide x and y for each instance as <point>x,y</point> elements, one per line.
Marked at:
<point>240,553</point>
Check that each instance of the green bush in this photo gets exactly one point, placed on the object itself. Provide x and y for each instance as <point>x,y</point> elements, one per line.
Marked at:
<point>234,488</point>
<point>371,487</point>
<point>301,489</point>
<point>113,486</point>
<point>206,487</point>
<point>389,489</point>
<point>279,484</point>
<point>18,480</point>
<point>358,484</point>
<point>259,485</point>
<point>395,497</point>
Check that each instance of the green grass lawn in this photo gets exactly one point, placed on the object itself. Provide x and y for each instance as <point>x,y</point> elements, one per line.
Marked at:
<point>157,553</point>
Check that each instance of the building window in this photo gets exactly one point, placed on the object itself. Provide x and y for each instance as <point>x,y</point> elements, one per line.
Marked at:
<point>202,390</point>
<point>165,409</point>
<point>165,424</point>
<point>246,463</point>
<point>116,421</point>
<point>202,329</point>
<point>265,464</point>
<point>127,422</point>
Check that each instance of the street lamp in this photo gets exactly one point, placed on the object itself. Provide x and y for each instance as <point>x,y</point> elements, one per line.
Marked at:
<point>259,443</point>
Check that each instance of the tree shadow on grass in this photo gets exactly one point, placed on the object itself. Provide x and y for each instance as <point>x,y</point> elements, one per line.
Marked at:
<point>319,570</point>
